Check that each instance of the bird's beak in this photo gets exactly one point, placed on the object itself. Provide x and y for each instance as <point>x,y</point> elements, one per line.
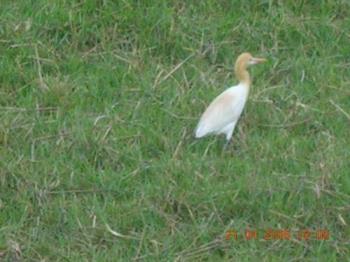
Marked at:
<point>256,60</point>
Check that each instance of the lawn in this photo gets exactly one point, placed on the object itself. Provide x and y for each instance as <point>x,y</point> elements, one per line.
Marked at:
<point>98,103</point>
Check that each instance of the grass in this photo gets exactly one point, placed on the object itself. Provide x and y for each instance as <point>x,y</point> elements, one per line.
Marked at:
<point>98,104</point>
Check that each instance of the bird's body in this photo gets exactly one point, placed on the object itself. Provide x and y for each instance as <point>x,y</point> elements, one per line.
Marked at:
<point>222,114</point>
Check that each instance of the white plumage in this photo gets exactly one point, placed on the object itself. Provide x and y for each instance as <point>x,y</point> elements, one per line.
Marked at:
<point>222,114</point>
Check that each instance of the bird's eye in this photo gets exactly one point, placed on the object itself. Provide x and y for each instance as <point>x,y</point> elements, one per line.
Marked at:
<point>250,61</point>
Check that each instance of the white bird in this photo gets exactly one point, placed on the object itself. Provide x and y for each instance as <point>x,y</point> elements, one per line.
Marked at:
<point>222,114</point>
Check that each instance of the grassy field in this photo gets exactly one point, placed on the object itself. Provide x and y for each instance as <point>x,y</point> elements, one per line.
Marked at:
<point>98,102</point>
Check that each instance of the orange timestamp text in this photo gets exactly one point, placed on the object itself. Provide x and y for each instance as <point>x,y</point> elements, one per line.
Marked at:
<point>279,234</point>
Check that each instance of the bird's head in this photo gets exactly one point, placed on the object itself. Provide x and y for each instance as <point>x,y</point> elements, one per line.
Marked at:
<point>243,61</point>
<point>246,59</point>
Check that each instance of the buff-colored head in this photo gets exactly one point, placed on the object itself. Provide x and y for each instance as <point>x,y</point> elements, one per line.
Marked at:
<point>243,61</point>
<point>247,59</point>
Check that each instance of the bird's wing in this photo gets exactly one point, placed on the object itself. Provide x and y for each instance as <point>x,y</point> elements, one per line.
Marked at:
<point>225,109</point>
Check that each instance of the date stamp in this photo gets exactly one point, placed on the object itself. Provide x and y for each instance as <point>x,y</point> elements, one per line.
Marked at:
<point>278,234</point>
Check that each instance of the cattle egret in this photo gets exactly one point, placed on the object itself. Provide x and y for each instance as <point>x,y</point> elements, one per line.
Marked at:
<point>222,114</point>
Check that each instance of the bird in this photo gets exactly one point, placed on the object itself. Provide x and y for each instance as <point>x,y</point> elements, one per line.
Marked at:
<point>224,111</point>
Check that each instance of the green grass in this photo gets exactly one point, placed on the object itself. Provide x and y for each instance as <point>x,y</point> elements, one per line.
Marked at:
<point>98,102</point>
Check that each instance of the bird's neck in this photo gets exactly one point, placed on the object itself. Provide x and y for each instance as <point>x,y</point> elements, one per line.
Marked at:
<point>242,74</point>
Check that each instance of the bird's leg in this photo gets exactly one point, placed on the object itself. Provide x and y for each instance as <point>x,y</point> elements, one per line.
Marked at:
<point>229,135</point>
<point>226,144</point>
